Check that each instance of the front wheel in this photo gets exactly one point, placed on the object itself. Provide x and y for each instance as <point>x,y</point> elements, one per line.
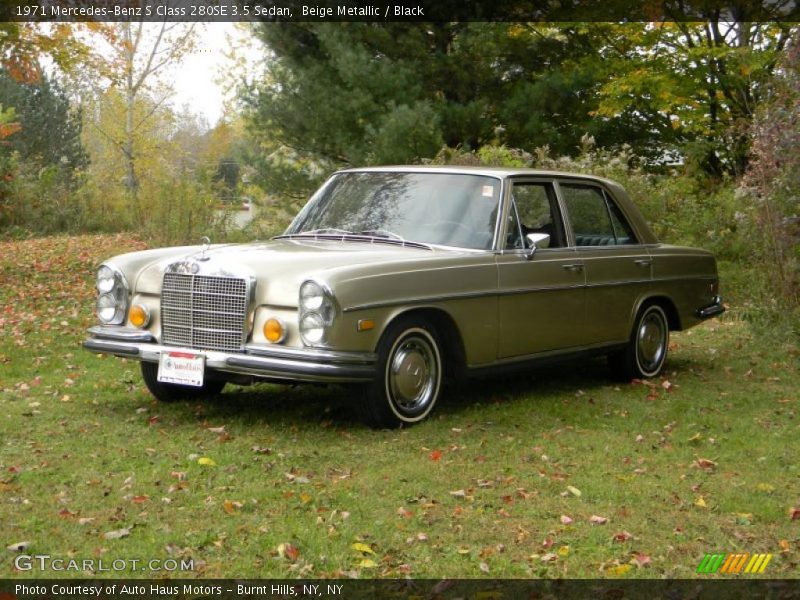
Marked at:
<point>170,392</point>
<point>646,352</point>
<point>409,379</point>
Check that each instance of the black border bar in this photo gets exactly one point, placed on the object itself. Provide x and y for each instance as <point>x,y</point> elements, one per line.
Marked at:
<point>399,10</point>
<point>712,587</point>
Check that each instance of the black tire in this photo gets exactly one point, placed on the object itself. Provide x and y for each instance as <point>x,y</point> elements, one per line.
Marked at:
<point>170,392</point>
<point>646,352</point>
<point>409,375</point>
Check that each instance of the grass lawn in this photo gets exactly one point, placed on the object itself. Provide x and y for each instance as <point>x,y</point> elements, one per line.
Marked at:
<point>558,472</point>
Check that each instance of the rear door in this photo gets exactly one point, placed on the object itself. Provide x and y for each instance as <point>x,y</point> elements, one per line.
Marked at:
<point>541,298</point>
<point>618,267</point>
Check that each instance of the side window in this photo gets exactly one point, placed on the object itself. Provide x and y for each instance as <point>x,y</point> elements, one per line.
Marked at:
<point>595,221</point>
<point>534,209</point>
<point>622,229</point>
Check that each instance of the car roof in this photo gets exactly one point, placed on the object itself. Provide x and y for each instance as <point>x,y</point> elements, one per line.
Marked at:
<point>477,170</point>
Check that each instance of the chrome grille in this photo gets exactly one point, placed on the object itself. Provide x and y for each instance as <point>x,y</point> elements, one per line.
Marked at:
<point>202,312</point>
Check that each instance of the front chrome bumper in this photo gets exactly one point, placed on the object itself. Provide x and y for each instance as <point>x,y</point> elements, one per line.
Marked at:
<point>712,310</point>
<point>268,362</point>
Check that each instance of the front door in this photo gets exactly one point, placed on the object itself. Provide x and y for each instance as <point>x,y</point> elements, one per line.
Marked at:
<point>541,297</point>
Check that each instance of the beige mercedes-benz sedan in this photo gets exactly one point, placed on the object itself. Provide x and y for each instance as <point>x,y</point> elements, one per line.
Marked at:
<point>395,278</point>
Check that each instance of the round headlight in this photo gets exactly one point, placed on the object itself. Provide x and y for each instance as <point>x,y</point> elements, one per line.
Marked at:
<point>312,296</point>
<point>106,308</point>
<point>105,279</point>
<point>312,329</point>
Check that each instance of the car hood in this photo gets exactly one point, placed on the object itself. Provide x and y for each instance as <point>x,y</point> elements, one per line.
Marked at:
<point>280,266</point>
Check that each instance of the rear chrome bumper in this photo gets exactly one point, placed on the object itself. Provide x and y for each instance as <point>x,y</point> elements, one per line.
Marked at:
<point>268,362</point>
<point>712,310</point>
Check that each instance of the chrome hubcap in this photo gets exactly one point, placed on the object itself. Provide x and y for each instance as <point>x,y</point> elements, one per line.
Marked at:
<point>651,342</point>
<point>413,375</point>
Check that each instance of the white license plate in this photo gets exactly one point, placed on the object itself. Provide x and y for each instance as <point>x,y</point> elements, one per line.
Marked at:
<point>182,368</point>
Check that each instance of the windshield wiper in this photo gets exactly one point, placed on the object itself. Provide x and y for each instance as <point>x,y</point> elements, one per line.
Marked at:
<point>326,230</point>
<point>384,233</point>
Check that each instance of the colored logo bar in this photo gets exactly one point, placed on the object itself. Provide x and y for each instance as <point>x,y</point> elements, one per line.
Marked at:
<point>733,564</point>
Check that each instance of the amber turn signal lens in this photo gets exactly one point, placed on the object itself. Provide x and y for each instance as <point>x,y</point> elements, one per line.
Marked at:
<point>274,330</point>
<point>365,324</point>
<point>139,316</point>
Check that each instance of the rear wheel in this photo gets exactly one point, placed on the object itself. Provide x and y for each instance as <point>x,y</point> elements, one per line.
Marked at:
<point>646,352</point>
<point>409,379</point>
<point>170,392</point>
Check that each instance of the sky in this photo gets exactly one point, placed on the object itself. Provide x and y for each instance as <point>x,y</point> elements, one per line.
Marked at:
<point>196,79</point>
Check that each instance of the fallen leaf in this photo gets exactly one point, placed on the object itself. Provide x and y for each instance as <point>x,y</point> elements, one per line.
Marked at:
<point>794,513</point>
<point>140,499</point>
<point>361,547</point>
<point>621,569</point>
<point>547,543</point>
<point>706,464</point>
<point>622,536</point>
<point>153,420</point>
<point>230,506</point>
<point>422,537</point>
<point>117,534</point>
<point>206,462</point>
<point>367,563</point>
<point>18,547</point>
<point>66,514</point>
<point>667,385</point>
<point>484,567</point>
<point>458,493</point>
<point>563,551</point>
<point>641,559</point>
<point>598,520</point>
<point>574,491</point>
<point>765,487</point>
<point>216,429</point>
<point>435,455</point>
<point>784,544</point>
<point>85,520</point>
<point>700,502</point>
<point>179,475</point>
<point>261,450</point>
<point>565,520</point>
<point>405,513</point>
<point>288,551</point>
<point>549,557</point>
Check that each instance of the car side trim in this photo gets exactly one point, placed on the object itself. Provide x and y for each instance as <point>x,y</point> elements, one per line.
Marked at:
<point>510,292</point>
<point>514,362</point>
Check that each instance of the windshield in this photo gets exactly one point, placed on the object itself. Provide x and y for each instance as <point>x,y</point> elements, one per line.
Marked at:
<point>433,208</point>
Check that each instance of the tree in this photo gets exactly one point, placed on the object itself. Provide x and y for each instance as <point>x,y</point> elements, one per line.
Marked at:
<point>695,85</point>
<point>359,93</point>
<point>22,45</point>
<point>49,129</point>
<point>138,54</point>
<point>771,183</point>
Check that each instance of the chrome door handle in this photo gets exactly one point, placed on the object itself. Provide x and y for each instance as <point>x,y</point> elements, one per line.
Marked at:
<point>574,267</point>
<point>643,262</point>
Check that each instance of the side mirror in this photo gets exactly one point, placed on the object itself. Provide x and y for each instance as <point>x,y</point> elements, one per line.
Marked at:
<point>537,240</point>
